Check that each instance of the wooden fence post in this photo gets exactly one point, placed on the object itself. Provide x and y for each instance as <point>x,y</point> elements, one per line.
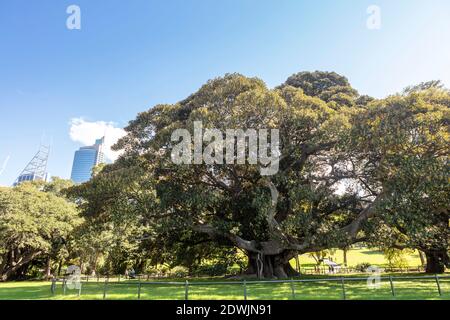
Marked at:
<point>392,286</point>
<point>293,289</point>
<point>245,290</point>
<point>139,291</point>
<point>104,289</point>
<point>64,286</point>
<point>53,288</point>
<point>344,296</point>
<point>186,291</point>
<point>438,285</point>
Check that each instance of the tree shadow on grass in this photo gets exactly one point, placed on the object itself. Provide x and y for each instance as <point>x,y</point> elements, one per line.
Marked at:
<point>25,292</point>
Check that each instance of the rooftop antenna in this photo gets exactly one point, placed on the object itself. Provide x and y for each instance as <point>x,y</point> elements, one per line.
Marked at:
<point>46,148</point>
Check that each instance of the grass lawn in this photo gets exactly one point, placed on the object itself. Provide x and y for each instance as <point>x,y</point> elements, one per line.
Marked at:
<point>327,290</point>
<point>356,256</point>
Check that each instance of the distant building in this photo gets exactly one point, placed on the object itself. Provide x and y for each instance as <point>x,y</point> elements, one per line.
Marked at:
<point>85,159</point>
<point>36,169</point>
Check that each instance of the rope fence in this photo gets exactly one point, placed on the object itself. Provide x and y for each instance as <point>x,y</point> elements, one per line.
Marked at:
<point>303,271</point>
<point>134,289</point>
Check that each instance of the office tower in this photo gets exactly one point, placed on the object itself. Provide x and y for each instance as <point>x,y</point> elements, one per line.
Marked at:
<point>85,159</point>
<point>36,170</point>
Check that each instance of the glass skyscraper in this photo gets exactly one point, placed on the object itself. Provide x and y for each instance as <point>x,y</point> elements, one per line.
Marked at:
<point>85,159</point>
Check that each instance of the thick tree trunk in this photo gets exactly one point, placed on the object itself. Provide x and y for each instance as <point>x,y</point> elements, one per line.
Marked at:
<point>48,268</point>
<point>297,264</point>
<point>270,267</point>
<point>437,260</point>
<point>11,269</point>
<point>345,256</point>
<point>422,257</point>
<point>95,263</point>
<point>21,273</point>
<point>60,264</point>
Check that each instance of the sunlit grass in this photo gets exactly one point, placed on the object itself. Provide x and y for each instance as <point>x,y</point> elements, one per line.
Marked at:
<point>404,289</point>
<point>357,256</point>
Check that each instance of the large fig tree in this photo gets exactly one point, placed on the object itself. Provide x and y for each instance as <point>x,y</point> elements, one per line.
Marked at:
<point>300,207</point>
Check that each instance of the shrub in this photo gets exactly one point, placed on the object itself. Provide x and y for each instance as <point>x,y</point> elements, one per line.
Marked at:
<point>212,270</point>
<point>362,267</point>
<point>179,272</point>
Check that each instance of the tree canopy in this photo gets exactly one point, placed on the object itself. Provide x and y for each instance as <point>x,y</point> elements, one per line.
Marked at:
<point>33,224</point>
<point>347,169</point>
<point>351,169</point>
<point>403,146</point>
<point>340,156</point>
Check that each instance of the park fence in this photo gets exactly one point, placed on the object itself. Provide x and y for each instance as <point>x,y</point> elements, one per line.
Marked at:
<point>341,285</point>
<point>304,271</point>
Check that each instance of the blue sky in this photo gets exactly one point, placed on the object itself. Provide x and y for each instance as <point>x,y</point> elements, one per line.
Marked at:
<point>131,55</point>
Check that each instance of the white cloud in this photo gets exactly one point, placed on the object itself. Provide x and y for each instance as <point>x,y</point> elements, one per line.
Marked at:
<point>86,133</point>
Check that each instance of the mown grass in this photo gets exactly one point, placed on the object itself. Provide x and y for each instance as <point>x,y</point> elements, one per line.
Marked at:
<point>357,256</point>
<point>405,289</point>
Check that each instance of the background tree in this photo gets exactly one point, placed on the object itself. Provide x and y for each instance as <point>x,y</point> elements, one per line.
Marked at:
<point>115,231</point>
<point>34,224</point>
<point>403,149</point>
